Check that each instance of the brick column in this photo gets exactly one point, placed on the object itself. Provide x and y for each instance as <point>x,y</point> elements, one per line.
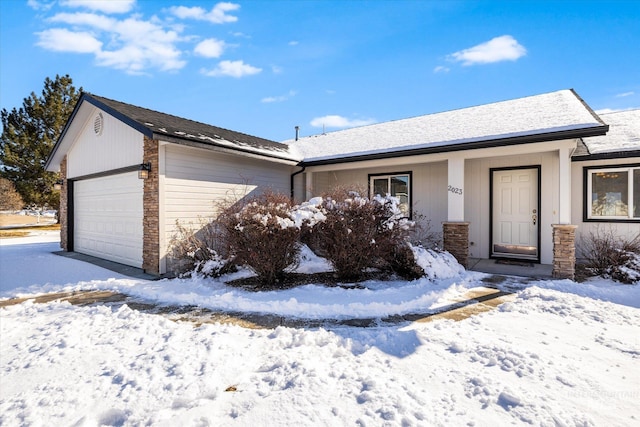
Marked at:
<point>151,217</point>
<point>63,211</point>
<point>456,240</point>
<point>564,251</point>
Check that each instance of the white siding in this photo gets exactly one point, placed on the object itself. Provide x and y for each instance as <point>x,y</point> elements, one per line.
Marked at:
<point>629,229</point>
<point>428,186</point>
<point>477,197</point>
<point>195,180</point>
<point>117,146</point>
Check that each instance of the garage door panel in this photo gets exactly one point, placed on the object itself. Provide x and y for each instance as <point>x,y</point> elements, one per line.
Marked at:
<point>108,218</point>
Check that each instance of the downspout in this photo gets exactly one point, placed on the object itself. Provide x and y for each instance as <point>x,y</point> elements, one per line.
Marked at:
<point>293,175</point>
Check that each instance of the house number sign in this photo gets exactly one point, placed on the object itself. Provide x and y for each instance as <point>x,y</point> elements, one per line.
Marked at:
<point>455,190</point>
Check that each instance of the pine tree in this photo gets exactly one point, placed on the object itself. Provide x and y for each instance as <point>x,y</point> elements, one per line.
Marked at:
<point>28,136</point>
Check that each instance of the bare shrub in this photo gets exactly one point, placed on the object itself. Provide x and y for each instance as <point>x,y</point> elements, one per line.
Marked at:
<point>201,250</point>
<point>262,235</point>
<point>423,234</point>
<point>603,253</point>
<point>359,233</point>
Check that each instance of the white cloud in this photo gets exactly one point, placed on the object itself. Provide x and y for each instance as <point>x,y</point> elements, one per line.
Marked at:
<point>235,69</point>
<point>293,43</point>
<point>40,5</point>
<point>625,94</point>
<point>217,15</point>
<point>441,69</point>
<point>99,22</point>
<point>280,98</point>
<point>503,48</point>
<point>209,48</point>
<point>106,6</point>
<point>63,40</point>
<point>335,121</point>
<point>131,44</point>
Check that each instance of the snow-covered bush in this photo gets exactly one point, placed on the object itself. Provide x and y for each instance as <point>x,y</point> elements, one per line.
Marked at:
<point>263,235</point>
<point>358,233</point>
<point>603,253</point>
<point>199,251</point>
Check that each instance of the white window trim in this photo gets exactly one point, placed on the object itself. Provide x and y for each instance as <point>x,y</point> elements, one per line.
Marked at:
<point>389,176</point>
<point>589,193</point>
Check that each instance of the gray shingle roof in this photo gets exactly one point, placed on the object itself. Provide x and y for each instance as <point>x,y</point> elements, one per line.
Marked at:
<point>532,119</point>
<point>158,125</point>
<point>623,136</point>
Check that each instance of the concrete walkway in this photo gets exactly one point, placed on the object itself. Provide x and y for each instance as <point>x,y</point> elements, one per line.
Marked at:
<point>511,268</point>
<point>475,301</point>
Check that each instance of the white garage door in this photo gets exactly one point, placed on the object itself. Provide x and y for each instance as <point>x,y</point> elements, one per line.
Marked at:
<point>108,218</point>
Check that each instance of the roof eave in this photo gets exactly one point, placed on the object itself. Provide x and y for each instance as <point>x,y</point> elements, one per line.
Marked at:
<point>222,147</point>
<point>607,156</point>
<point>488,143</point>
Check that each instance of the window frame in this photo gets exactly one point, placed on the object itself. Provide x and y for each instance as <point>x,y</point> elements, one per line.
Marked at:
<point>588,172</point>
<point>408,174</point>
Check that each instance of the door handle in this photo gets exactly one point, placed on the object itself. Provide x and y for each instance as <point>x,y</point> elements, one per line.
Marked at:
<point>534,218</point>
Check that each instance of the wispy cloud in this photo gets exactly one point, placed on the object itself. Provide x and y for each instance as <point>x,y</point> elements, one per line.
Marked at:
<point>219,14</point>
<point>105,6</point>
<point>503,48</point>
<point>63,40</point>
<point>132,43</point>
<point>293,43</point>
<point>40,5</point>
<point>209,48</point>
<point>280,98</point>
<point>441,69</point>
<point>625,94</point>
<point>235,69</point>
<point>335,121</point>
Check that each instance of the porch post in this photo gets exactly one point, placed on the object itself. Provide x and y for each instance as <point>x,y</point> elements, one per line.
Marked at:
<point>564,204</point>
<point>455,190</point>
<point>564,234</point>
<point>308,185</point>
<point>564,251</point>
<point>455,231</point>
<point>455,236</point>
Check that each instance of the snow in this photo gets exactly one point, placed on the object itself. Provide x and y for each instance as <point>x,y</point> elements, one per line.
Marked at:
<point>558,353</point>
<point>623,135</point>
<point>550,112</point>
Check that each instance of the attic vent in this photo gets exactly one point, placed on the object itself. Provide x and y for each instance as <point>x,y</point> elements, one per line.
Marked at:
<point>98,124</point>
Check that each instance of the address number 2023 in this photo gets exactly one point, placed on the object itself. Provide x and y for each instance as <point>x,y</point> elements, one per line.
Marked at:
<point>455,190</point>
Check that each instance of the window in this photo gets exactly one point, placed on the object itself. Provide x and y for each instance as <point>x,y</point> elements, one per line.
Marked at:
<point>396,185</point>
<point>613,193</point>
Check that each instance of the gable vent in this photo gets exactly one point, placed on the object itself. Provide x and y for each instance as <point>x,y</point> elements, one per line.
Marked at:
<point>98,124</point>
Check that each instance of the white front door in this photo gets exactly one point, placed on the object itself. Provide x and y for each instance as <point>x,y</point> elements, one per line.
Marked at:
<point>516,215</point>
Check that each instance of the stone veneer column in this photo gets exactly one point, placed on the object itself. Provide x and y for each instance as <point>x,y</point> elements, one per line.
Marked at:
<point>564,251</point>
<point>456,240</point>
<point>63,211</point>
<point>151,206</point>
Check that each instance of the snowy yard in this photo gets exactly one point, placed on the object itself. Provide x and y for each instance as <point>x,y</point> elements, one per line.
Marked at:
<point>562,353</point>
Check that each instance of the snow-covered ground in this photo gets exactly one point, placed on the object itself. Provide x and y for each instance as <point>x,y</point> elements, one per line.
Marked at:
<point>561,353</point>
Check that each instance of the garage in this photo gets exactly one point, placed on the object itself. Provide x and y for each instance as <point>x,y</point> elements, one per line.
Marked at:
<point>108,214</point>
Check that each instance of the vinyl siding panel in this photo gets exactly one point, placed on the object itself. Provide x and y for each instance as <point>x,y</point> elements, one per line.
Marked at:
<point>628,229</point>
<point>116,147</point>
<point>195,181</point>
<point>428,187</point>
<point>477,199</point>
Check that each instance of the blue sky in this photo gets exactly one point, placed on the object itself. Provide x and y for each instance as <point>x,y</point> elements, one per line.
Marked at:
<point>263,67</point>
